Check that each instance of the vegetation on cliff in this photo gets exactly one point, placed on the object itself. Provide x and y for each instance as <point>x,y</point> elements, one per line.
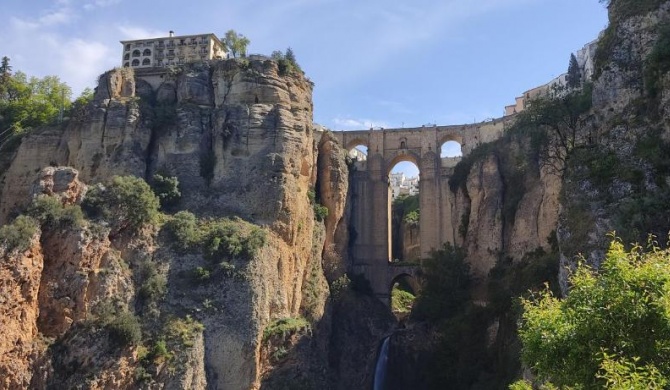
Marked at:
<point>613,328</point>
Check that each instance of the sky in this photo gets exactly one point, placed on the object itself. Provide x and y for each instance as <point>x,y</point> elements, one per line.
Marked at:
<point>381,63</point>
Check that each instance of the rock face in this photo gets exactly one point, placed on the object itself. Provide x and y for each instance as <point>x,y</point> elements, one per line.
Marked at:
<point>239,137</point>
<point>20,276</point>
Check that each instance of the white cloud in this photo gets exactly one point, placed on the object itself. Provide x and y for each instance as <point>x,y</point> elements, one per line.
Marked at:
<point>136,32</point>
<point>76,61</point>
<point>60,16</point>
<point>100,4</point>
<point>357,124</point>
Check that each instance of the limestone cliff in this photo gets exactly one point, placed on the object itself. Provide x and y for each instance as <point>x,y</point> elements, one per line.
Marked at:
<point>239,137</point>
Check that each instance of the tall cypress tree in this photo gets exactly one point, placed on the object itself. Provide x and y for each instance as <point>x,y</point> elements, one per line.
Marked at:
<point>574,73</point>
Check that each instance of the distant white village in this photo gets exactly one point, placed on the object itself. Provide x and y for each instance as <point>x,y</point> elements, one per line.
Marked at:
<point>401,185</point>
<point>398,182</point>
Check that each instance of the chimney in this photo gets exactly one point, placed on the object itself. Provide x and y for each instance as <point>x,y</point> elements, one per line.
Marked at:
<point>171,33</point>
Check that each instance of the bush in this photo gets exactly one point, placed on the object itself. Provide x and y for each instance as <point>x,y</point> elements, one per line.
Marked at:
<point>125,329</point>
<point>285,327</point>
<point>126,203</point>
<point>184,229</point>
<point>154,283</point>
<point>320,212</point>
<point>614,326</point>
<point>183,330</point>
<point>50,212</point>
<point>217,239</point>
<point>166,189</point>
<point>18,234</point>
<point>446,280</point>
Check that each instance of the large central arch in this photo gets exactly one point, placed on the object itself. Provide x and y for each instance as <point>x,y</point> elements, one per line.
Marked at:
<point>370,246</point>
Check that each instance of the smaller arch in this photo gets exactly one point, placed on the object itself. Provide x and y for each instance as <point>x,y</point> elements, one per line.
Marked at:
<point>451,149</point>
<point>406,155</point>
<point>358,152</point>
<point>126,56</point>
<point>146,62</point>
<point>136,62</point>
<point>403,291</point>
<point>147,52</point>
<point>358,141</point>
<point>136,53</point>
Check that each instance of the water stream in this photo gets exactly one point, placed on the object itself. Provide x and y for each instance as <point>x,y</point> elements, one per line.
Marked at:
<point>380,368</point>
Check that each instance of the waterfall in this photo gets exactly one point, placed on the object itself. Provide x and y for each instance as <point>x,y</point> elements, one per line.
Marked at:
<point>380,368</point>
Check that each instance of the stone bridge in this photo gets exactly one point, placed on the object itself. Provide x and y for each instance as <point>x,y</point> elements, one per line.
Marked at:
<point>370,223</point>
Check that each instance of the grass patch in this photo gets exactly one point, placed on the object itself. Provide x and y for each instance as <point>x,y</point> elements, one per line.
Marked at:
<point>286,327</point>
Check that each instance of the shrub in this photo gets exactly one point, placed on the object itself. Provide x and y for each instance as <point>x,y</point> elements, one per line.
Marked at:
<point>127,203</point>
<point>125,329</point>
<point>166,189</point>
<point>217,239</point>
<point>50,212</point>
<point>446,282</point>
<point>154,284</point>
<point>184,230</point>
<point>183,330</point>
<point>614,326</point>
<point>320,212</point>
<point>18,234</point>
<point>285,327</point>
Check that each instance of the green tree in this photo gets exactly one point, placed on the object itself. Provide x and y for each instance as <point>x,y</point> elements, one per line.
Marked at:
<point>126,203</point>
<point>574,73</point>
<point>611,331</point>
<point>446,279</point>
<point>236,43</point>
<point>558,126</point>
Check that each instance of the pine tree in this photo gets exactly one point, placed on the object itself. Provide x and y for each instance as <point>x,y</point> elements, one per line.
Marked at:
<point>574,73</point>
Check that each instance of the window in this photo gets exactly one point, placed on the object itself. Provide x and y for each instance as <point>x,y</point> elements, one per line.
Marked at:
<point>126,64</point>
<point>146,52</point>
<point>127,46</point>
<point>136,53</point>
<point>146,61</point>
<point>126,56</point>
<point>136,62</point>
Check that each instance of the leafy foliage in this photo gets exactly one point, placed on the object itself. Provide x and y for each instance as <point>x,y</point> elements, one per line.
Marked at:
<point>167,189</point>
<point>236,43</point>
<point>218,239</point>
<point>286,62</point>
<point>657,63</point>
<point>446,280</point>
<point>401,300</point>
<point>18,234</point>
<point>286,326</point>
<point>126,203</point>
<point>50,212</point>
<point>125,329</point>
<point>613,327</point>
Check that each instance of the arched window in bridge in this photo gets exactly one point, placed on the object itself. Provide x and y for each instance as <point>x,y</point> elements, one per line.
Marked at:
<point>403,294</point>
<point>359,153</point>
<point>405,214</point>
<point>450,153</point>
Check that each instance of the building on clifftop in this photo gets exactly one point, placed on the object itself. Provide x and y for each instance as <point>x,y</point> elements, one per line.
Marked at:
<point>172,50</point>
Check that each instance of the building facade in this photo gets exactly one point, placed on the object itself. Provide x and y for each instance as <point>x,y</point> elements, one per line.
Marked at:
<point>585,59</point>
<point>171,50</point>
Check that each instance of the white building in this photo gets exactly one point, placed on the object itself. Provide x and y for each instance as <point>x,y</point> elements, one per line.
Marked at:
<point>401,185</point>
<point>171,50</point>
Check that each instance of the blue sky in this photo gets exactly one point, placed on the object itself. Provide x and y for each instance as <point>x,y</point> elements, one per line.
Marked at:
<point>388,63</point>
